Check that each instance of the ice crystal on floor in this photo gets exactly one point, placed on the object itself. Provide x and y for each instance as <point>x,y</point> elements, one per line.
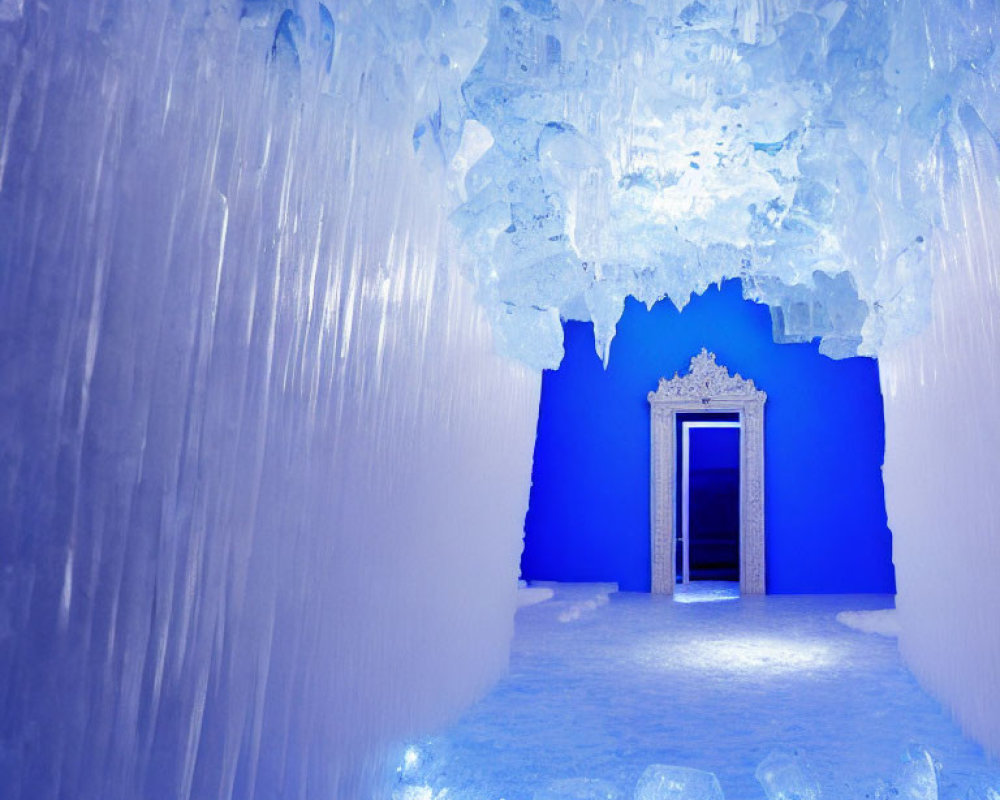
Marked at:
<point>785,776</point>
<point>662,782</point>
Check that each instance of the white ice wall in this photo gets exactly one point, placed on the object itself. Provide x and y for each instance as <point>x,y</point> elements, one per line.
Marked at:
<point>262,476</point>
<point>942,466</point>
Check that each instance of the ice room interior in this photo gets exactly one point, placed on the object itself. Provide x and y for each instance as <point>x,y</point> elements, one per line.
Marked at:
<point>499,399</point>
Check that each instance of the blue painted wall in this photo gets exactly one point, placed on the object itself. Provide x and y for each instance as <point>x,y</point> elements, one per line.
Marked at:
<point>588,517</point>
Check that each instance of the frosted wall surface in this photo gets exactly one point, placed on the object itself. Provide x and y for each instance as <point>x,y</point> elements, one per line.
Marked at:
<point>262,476</point>
<point>942,442</point>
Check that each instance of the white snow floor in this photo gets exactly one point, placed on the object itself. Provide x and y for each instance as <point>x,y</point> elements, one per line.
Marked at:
<point>603,684</point>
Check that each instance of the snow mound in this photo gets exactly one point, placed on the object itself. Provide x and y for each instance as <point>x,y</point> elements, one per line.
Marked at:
<point>882,621</point>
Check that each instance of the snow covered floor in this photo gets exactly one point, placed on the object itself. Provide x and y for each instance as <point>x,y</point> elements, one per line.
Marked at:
<point>602,686</point>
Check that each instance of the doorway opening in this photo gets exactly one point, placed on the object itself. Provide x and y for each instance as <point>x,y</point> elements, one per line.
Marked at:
<point>708,498</point>
<point>707,388</point>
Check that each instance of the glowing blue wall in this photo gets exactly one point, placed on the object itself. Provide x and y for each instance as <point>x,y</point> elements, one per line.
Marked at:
<point>588,517</point>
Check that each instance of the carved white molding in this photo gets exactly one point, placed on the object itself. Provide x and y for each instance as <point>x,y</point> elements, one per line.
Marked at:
<point>707,386</point>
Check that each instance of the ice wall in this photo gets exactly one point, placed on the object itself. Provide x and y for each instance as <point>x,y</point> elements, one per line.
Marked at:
<point>942,439</point>
<point>262,476</point>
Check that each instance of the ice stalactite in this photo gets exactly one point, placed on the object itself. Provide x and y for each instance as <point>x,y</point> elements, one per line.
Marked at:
<point>652,149</point>
<point>262,476</point>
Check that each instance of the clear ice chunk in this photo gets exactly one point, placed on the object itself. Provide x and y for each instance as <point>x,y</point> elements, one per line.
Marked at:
<point>662,782</point>
<point>917,776</point>
<point>784,776</point>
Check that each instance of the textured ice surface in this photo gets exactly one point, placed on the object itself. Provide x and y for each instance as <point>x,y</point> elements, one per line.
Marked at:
<point>943,432</point>
<point>252,517</point>
<point>785,776</point>
<point>579,789</point>
<point>650,148</point>
<point>607,695</point>
<point>419,793</point>
<point>11,10</point>
<point>663,782</point>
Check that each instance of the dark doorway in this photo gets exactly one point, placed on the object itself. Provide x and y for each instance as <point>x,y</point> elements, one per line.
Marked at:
<point>708,542</point>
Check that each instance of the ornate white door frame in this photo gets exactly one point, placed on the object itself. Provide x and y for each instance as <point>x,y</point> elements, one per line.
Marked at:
<point>707,387</point>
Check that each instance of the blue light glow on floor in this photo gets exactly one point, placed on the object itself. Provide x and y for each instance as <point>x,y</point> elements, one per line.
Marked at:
<point>602,685</point>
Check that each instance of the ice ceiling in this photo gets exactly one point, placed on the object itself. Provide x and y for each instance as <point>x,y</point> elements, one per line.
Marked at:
<point>603,149</point>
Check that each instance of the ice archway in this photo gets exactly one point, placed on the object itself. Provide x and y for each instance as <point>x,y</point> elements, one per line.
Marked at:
<point>233,324</point>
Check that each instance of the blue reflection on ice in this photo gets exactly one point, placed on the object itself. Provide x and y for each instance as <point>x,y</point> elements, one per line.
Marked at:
<point>752,653</point>
<point>706,591</point>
